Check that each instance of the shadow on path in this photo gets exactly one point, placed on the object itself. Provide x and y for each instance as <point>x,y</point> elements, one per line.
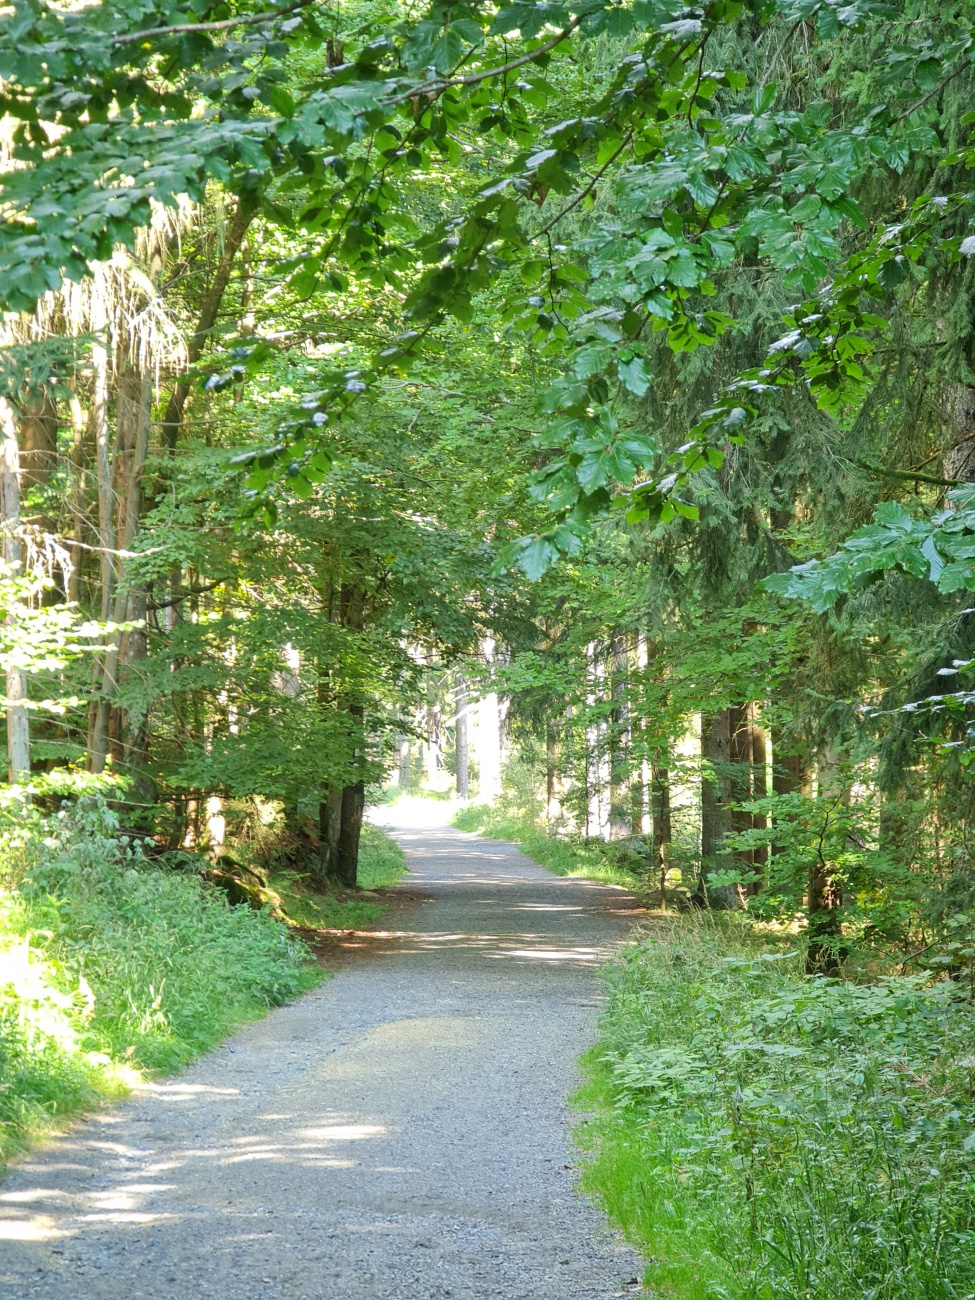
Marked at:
<point>399,1132</point>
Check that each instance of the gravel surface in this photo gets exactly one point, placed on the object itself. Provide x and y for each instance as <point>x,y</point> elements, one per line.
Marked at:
<point>399,1132</point>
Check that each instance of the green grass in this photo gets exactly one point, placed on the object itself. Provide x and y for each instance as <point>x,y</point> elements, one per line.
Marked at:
<point>761,1134</point>
<point>566,856</point>
<point>111,967</point>
<point>381,864</point>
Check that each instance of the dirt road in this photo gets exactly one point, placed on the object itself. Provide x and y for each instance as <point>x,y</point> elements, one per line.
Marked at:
<point>399,1132</point>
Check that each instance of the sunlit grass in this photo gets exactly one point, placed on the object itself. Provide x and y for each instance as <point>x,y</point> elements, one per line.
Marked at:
<point>112,968</point>
<point>563,856</point>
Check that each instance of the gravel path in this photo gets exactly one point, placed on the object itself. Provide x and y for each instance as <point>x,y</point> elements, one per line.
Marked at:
<point>399,1132</point>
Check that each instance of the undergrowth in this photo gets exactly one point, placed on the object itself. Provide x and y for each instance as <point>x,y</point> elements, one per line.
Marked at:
<point>565,856</point>
<point>381,864</point>
<point>110,966</point>
<point>760,1133</point>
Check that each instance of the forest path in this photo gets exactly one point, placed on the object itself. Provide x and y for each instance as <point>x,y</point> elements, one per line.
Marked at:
<point>399,1132</point>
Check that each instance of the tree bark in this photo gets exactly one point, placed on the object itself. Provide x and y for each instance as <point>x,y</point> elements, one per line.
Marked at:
<point>460,736</point>
<point>553,806</point>
<point>176,406</point>
<point>790,773</point>
<point>759,788</point>
<point>715,814</point>
<point>77,496</point>
<point>38,442</point>
<point>18,722</point>
<point>619,740</point>
<point>353,807</point>
<point>822,893</point>
<point>661,832</point>
<point>489,736</point>
<point>329,823</point>
<point>133,446</point>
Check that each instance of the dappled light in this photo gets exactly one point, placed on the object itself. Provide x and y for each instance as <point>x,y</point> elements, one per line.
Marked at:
<point>389,1127</point>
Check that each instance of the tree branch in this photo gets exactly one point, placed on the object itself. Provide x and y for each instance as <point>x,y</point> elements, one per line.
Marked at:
<point>472,79</point>
<point>132,38</point>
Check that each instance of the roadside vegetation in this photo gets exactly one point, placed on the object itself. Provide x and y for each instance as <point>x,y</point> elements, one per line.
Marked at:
<point>761,1133</point>
<point>117,964</point>
<point>592,859</point>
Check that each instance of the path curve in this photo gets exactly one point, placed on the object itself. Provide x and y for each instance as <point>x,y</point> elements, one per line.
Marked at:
<point>399,1132</point>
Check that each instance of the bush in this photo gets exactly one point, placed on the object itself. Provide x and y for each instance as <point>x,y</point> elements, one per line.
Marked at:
<point>110,966</point>
<point>765,1134</point>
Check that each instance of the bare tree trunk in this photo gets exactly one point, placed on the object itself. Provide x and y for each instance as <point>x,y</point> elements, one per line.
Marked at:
<point>38,442</point>
<point>619,738</point>
<point>759,791</point>
<point>350,805</point>
<point>489,736</point>
<point>661,823</point>
<point>715,814</point>
<point>133,445</point>
<point>822,893</point>
<point>460,736</point>
<point>741,755</point>
<point>329,822</point>
<point>18,723</point>
<point>433,739</point>
<point>77,495</point>
<point>553,806</point>
<point>103,451</point>
<point>353,808</point>
<point>790,773</point>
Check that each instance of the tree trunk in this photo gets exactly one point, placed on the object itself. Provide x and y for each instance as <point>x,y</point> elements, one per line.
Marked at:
<point>553,806</point>
<point>329,824</point>
<point>77,496</point>
<point>790,773</point>
<point>18,722</point>
<point>715,814</point>
<point>661,826</point>
<point>175,408</point>
<point>133,446</point>
<point>620,796</point>
<point>822,894</point>
<point>353,807</point>
<point>759,791</point>
<point>489,736</point>
<point>460,736</point>
<point>740,755</point>
<point>38,442</point>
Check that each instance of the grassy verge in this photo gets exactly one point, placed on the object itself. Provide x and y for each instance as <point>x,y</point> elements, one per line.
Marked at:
<point>762,1134</point>
<point>381,864</point>
<point>567,856</point>
<point>111,967</point>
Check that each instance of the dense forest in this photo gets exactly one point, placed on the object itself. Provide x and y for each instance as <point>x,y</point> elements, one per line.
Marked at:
<point>568,405</point>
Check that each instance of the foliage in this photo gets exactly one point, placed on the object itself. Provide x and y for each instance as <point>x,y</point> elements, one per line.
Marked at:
<point>940,549</point>
<point>761,1134</point>
<point>112,966</point>
<point>381,864</point>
